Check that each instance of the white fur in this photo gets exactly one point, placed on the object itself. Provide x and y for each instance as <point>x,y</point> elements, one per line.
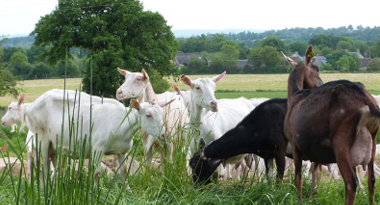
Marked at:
<point>137,84</point>
<point>109,135</point>
<point>203,115</point>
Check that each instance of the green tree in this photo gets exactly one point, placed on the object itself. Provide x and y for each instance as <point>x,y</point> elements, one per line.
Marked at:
<point>343,64</point>
<point>322,40</point>
<point>243,50</point>
<point>345,45</point>
<point>9,51</point>
<point>362,46</point>
<point>334,56</point>
<point>34,53</point>
<point>40,70</point>
<point>274,42</point>
<point>297,46</point>
<point>117,34</point>
<point>374,65</point>
<point>72,70</point>
<point>348,63</point>
<point>266,60</point>
<point>196,65</point>
<point>7,82</point>
<point>231,50</point>
<point>221,62</point>
<point>19,65</point>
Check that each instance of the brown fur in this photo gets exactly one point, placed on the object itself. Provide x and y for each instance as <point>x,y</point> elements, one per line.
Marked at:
<point>330,124</point>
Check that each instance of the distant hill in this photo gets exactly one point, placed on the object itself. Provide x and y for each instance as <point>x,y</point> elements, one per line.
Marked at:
<point>187,33</point>
<point>24,42</point>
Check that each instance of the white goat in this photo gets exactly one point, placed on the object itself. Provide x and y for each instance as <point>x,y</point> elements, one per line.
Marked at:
<point>213,117</point>
<point>44,117</point>
<point>137,85</point>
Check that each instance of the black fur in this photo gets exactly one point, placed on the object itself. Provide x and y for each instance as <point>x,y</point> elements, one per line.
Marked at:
<point>260,132</point>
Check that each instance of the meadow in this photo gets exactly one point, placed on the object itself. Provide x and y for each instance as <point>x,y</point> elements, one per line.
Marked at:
<point>232,85</point>
<point>169,184</point>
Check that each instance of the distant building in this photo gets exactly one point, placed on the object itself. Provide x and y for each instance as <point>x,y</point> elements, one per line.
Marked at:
<point>357,53</point>
<point>297,58</point>
<point>182,59</point>
<point>364,63</point>
<point>317,60</point>
<point>242,63</point>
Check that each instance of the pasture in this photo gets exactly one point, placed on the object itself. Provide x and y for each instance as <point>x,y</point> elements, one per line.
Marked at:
<point>171,185</point>
<point>232,86</point>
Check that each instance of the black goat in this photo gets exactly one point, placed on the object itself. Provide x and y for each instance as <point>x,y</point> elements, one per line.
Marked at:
<point>261,132</point>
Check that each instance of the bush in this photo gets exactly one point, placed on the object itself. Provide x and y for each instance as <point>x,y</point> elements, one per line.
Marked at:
<point>159,84</point>
<point>374,65</point>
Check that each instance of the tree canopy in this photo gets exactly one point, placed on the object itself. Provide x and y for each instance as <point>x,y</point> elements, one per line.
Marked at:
<point>117,34</point>
<point>7,82</point>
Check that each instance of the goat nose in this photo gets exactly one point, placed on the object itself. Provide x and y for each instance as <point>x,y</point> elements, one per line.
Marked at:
<point>162,137</point>
<point>119,92</point>
<point>3,123</point>
<point>214,106</point>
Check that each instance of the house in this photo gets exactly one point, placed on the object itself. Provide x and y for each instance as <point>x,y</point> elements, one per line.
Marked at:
<point>242,63</point>
<point>296,57</point>
<point>357,53</point>
<point>364,63</point>
<point>317,60</point>
<point>182,59</point>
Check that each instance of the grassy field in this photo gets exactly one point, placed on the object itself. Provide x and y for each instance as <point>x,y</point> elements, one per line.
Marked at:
<point>232,86</point>
<point>171,184</point>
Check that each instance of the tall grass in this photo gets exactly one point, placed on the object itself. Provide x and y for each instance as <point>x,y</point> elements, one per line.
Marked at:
<point>72,180</point>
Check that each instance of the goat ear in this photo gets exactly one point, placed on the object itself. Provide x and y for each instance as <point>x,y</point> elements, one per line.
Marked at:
<point>145,75</point>
<point>186,80</point>
<point>218,77</point>
<point>121,71</point>
<point>201,146</point>
<point>163,104</point>
<point>309,56</point>
<point>21,99</point>
<point>177,90</point>
<point>289,60</point>
<point>135,104</point>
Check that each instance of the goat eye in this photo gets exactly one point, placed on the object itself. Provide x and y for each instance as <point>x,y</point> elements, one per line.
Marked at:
<point>9,108</point>
<point>138,79</point>
<point>198,88</point>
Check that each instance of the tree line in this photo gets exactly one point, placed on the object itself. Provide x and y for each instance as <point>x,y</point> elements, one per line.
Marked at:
<point>219,53</point>
<point>99,36</point>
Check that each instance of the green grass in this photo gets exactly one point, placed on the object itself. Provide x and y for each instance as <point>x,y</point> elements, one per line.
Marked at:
<point>172,185</point>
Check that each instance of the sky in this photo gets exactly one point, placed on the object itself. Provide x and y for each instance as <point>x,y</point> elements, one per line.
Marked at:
<point>20,16</point>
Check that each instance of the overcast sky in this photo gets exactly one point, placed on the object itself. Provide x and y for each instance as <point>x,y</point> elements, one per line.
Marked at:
<point>20,16</point>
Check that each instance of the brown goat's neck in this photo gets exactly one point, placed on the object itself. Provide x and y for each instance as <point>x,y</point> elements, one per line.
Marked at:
<point>295,82</point>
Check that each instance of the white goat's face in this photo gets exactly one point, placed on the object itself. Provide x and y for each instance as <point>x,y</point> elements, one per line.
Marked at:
<point>152,119</point>
<point>203,94</point>
<point>203,91</point>
<point>13,114</point>
<point>133,86</point>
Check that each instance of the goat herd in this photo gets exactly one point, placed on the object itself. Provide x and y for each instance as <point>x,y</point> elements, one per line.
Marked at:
<point>330,123</point>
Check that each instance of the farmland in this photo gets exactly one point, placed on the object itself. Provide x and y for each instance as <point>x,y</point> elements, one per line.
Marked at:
<point>170,184</point>
<point>232,86</point>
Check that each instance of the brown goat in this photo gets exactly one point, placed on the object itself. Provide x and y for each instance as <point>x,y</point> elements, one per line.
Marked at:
<point>333,122</point>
